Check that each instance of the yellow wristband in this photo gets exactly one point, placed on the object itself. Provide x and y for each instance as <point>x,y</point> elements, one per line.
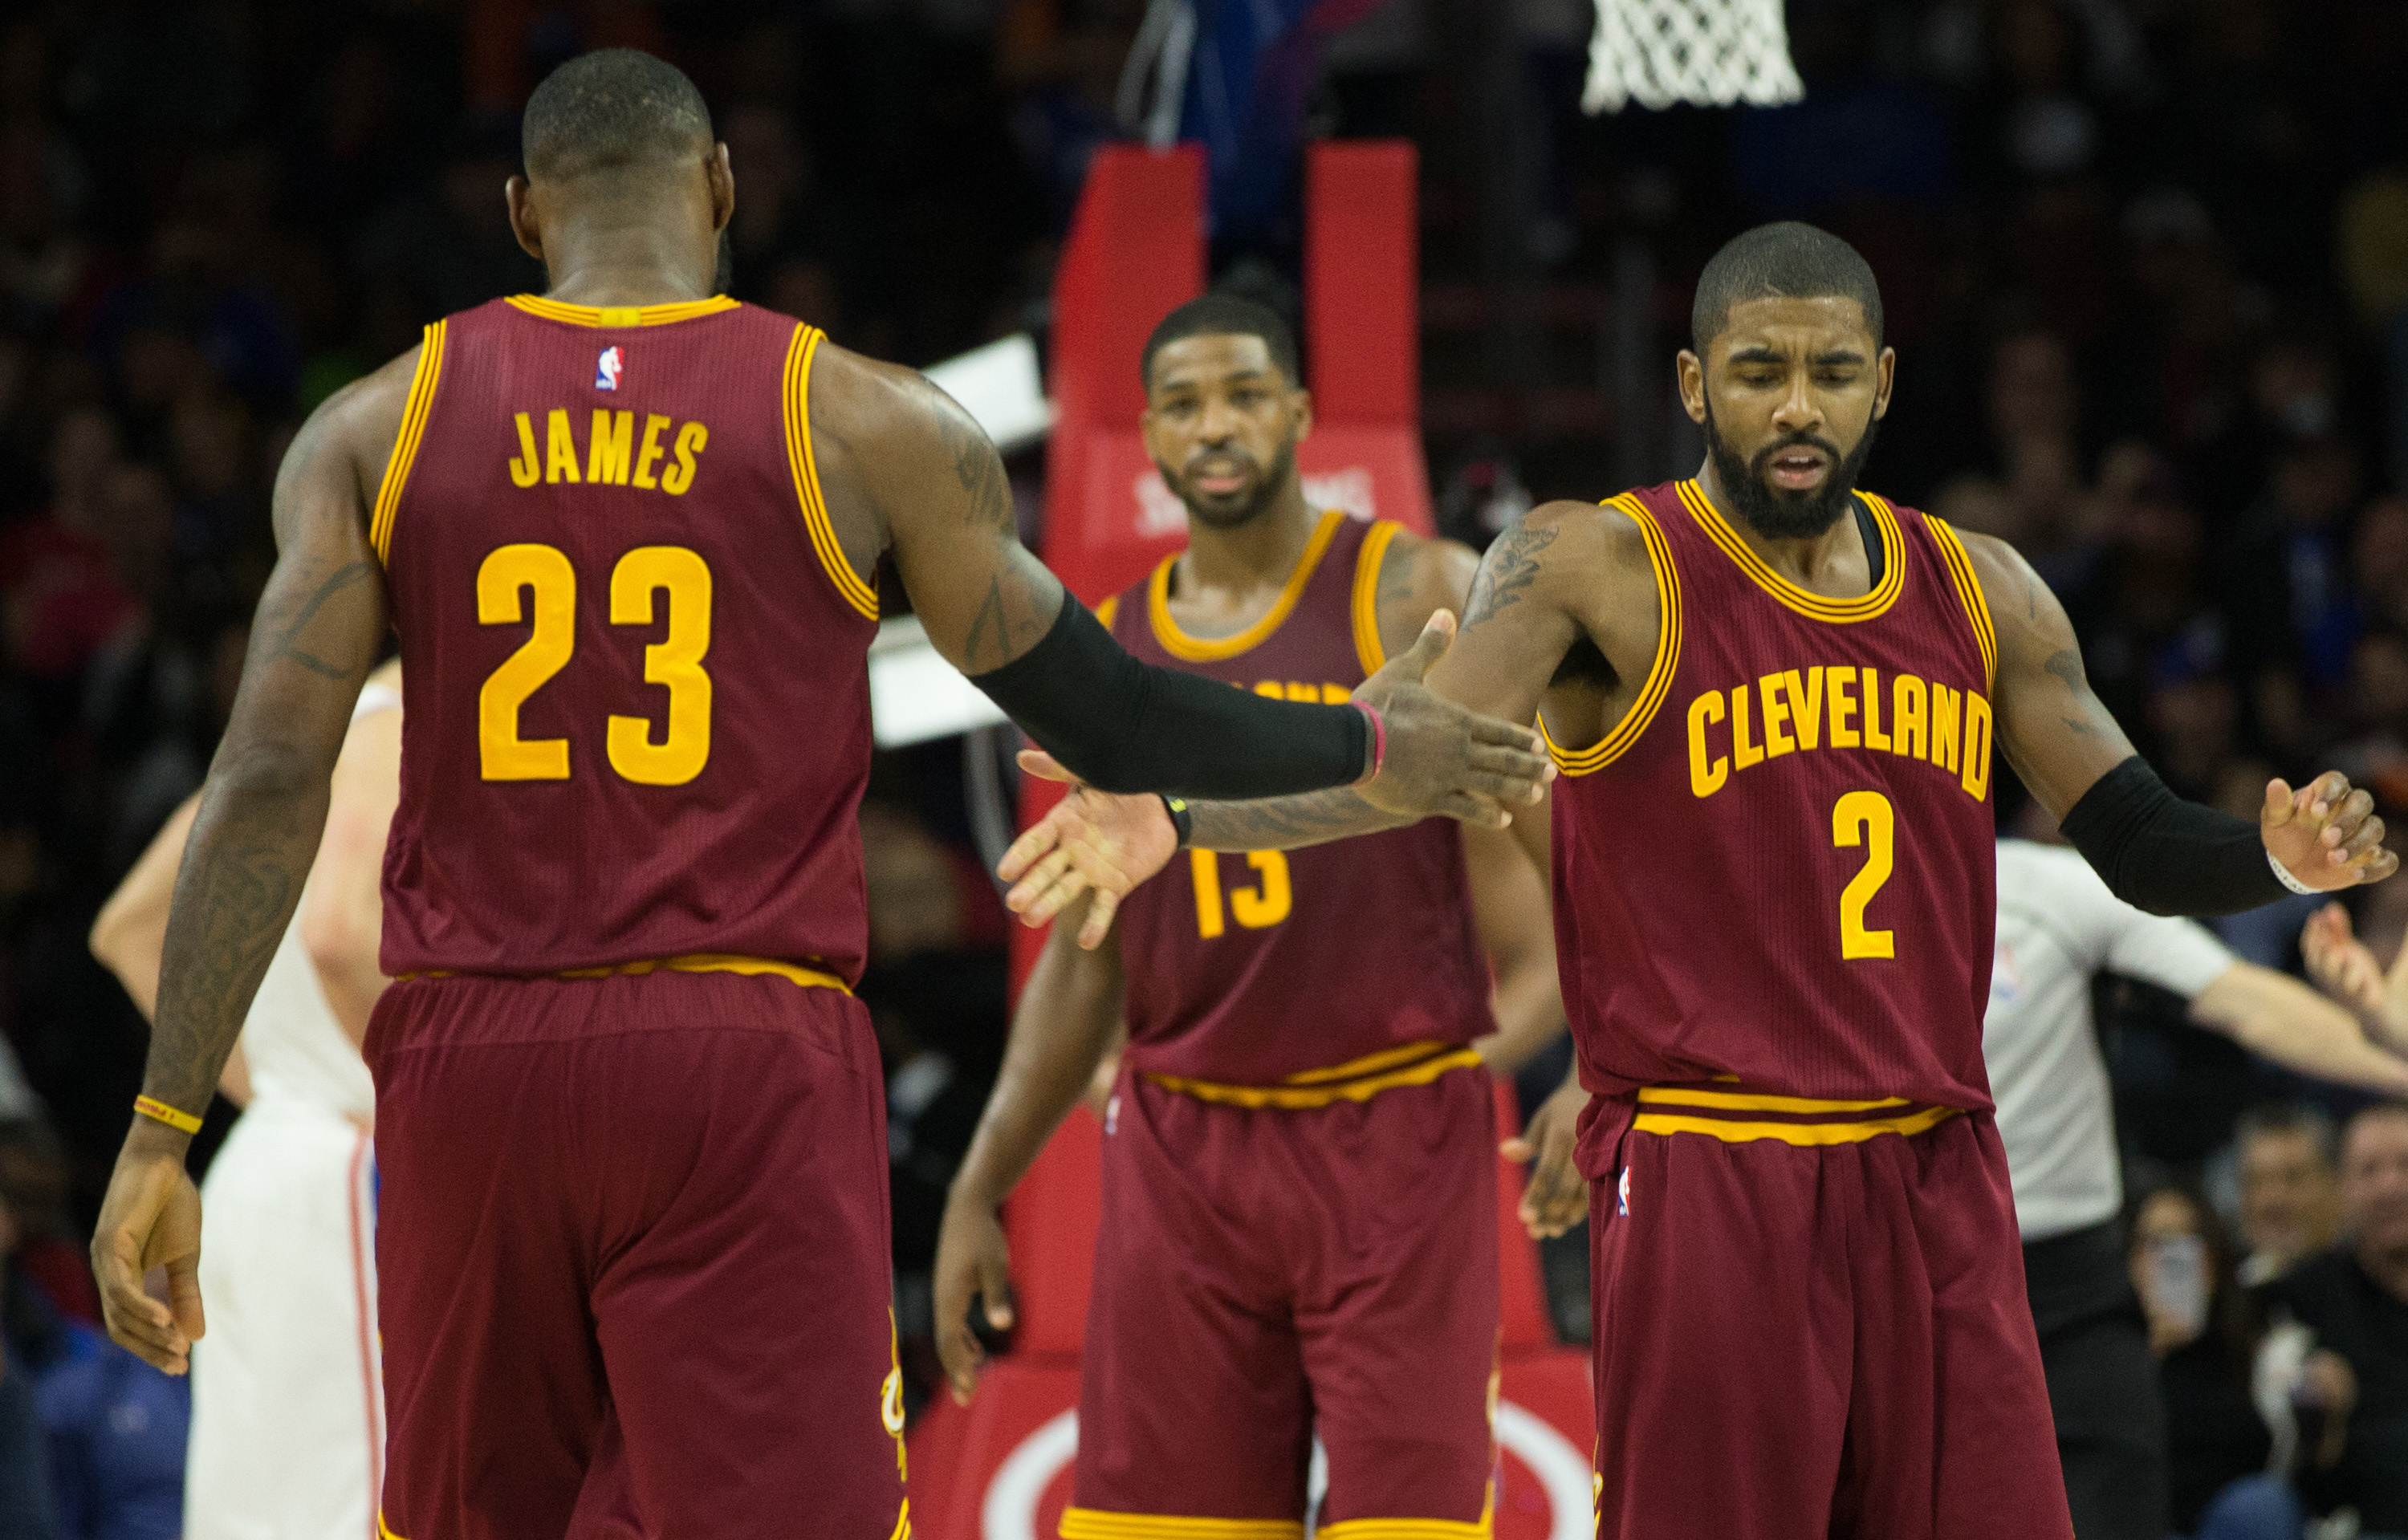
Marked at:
<point>182,1122</point>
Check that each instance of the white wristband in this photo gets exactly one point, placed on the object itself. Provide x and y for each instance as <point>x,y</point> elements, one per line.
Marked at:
<point>2283,874</point>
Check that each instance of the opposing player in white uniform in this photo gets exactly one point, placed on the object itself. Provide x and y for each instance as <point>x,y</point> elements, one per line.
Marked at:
<point>288,1419</point>
<point>2058,926</point>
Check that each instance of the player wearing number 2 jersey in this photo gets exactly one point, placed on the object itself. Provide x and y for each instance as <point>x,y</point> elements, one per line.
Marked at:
<point>1298,1227</point>
<point>1774,699</point>
<point>632,1240</point>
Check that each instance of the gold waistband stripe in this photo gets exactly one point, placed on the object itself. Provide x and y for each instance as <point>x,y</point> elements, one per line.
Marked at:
<point>1356,1080</point>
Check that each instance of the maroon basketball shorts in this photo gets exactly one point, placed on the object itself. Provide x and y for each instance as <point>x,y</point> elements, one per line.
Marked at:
<point>1263,1276</point>
<point>633,1261</point>
<point>1815,1341</point>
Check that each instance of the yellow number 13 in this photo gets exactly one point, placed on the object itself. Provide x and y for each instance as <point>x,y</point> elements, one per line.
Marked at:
<point>675,660</point>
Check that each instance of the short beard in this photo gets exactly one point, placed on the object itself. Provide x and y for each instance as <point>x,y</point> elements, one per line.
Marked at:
<point>1265,493</point>
<point>1787,515</point>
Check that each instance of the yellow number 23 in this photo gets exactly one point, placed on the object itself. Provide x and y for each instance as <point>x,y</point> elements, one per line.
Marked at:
<point>542,573</point>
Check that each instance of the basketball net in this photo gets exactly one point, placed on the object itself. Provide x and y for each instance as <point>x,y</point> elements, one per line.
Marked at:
<point>1705,53</point>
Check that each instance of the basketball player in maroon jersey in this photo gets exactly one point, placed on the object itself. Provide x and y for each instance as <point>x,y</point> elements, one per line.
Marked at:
<point>1774,700</point>
<point>1298,1227</point>
<point>633,1245</point>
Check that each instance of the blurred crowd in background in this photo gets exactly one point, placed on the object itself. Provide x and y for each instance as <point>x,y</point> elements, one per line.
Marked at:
<point>2145,263</point>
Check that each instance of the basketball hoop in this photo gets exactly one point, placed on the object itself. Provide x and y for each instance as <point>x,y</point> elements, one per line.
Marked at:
<point>1705,53</point>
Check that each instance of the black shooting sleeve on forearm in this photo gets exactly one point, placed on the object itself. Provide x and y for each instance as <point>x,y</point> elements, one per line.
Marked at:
<point>1122,725</point>
<point>2165,855</point>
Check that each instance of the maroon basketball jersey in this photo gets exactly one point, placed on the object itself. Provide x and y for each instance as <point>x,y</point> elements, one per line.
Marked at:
<point>636,721</point>
<point>1776,872</point>
<point>1292,978</point>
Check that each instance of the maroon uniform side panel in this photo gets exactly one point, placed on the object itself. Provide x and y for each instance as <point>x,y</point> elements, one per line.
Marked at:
<point>637,717</point>
<point>1245,969</point>
<point>1777,873</point>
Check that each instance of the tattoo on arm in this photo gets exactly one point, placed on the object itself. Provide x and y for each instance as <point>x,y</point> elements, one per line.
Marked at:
<point>236,905</point>
<point>1507,572</point>
<point>1286,823</point>
<point>980,470</point>
<point>2066,663</point>
<point>287,637</point>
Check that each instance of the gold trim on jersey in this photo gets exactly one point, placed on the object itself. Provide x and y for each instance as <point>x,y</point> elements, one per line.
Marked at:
<point>1658,682</point>
<point>620,315</point>
<point>1969,589</point>
<point>1097,1524</point>
<point>902,1520</point>
<point>384,1530</point>
<point>1739,1131</point>
<point>1356,1080</point>
<point>1814,607</point>
<point>794,405</point>
<point>809,978</point>
<point>1199,650</point>
<point>1108,611</point>
<point>414,411</point>
<point>1368,650</point>
<point>1417,1528</point>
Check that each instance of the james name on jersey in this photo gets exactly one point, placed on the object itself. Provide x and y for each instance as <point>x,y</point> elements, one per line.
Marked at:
<point>614,455</point>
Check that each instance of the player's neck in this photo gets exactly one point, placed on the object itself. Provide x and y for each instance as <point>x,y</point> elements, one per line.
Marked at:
<point>1260,553</point>
<point>604,263</point>
<point>1809,561</point>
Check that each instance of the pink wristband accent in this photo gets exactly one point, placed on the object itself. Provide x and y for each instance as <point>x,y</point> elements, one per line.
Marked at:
<point>1379,738</point>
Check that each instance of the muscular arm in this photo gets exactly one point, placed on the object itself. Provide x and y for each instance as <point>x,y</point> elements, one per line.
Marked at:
<point>1066,1022</point>
<point>312,642</point>
<point>906,470</point>
<point>2276,1017</point>
<point>2154,851</point>
<point>342,915</point>
<point>131,933</point>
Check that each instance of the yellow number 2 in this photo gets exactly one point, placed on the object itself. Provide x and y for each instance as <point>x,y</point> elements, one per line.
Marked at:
<point>1864,818</point>
<point>1258,908</point>
<point>502,755</point>
<point>675,660</point>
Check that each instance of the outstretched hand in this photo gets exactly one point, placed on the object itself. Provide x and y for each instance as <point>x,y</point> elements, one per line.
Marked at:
<point>1091,841</point>
<point>1555,1198</point>
<point>150,1218</point>
<point>2325,833</point>
<point>1443,759</point>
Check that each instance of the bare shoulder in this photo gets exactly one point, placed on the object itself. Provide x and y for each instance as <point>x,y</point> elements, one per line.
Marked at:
<point>342,446</point>
<point>2022,609</point>
<point>886,437</point>
<point>1420,575</point>
<point>1565,550</point>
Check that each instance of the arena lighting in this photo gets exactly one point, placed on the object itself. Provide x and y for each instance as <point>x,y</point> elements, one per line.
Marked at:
<point>914,694</point>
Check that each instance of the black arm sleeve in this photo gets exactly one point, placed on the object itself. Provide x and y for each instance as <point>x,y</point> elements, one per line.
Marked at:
<point>2165,855</point>
<point>1122,725</point>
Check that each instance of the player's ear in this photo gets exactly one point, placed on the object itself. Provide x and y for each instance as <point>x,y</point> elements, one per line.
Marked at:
<point>1689,370</point>
<point>720,172</point>
<point>517,197</point>
<point>1884,375</point>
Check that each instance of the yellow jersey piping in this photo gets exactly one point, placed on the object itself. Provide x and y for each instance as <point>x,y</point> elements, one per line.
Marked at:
<point>1198,649</point>
<point>384,1530</point>
<point>809,978</point>
<point>1814,607</point>
<point>1732,1101</point>
<point>902,1521</point>
<point>1368,648</point>
<point>1418,1529</point>
<point>1960,563</point>
<point>795,401</point>
<point>1658,682</point>
<point>414,411</point>
<point>620,315</point>
<point>1097,1524</point>
<point>1108,611</point>
<point>1804,1135</point>
<point>1322,1088</point>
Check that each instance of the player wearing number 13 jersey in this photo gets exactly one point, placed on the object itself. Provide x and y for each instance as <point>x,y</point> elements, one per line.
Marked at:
<point>1775,699</point>
<point>633,1233</point>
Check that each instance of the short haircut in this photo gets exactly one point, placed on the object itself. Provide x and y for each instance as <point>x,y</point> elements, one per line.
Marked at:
<point>612,109</point>
<point>1787,261</point>
<point>2293,1117</point>
<point>1223,315</point>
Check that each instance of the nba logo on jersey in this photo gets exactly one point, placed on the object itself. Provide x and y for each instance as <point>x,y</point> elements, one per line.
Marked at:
<point>1622,1194</point>
<point>606,369</point>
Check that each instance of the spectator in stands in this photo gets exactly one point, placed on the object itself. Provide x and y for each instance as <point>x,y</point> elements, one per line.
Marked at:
<point>2291,1190</point>
<point>2203,1332</point>
<point>27,1511</point>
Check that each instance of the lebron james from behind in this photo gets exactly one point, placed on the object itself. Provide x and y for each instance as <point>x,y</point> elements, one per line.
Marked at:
<point>1774,699</point>
<point>632,1237</point>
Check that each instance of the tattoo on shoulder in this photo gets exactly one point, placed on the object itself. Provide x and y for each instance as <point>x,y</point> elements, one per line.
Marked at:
<point>1507,572</point>
<point>980,470</point>
<point>288,635</point>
